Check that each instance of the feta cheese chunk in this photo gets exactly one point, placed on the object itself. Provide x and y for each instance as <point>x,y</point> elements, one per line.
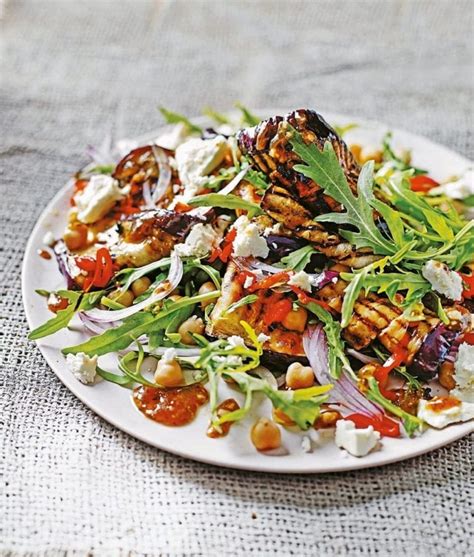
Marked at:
<point>235,341</point>
<point>464,374</point>
<point>172,139</point>
<point>357,442</point>
<point>443,280</point>
<point>97,198</point>
<point>301,280</point>
<point>195,159</point>
<point>262,338</point>
<point>199,242</point>
<point>248,242</point>
<point>440,412</point>
<point>82,367</point>
<point>457,189</point>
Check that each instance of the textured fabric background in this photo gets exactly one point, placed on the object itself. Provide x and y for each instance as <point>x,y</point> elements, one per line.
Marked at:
<point>71,71</point>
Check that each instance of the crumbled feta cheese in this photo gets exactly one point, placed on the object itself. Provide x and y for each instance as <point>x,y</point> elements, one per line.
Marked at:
<point>199,241</point>
<point>457,189</point>
<point>169,355</point>
<point>195,159</point>
<point>235,341</point>
<point>48,239</point>
<point>357,442</point>
<point>275,229</point>
<point>73,268</point>
<point>262,337</point>
<point>97,198</point>
<point>231,361</point>
<point>174,138</point>
<point>443,280</point>
<point>438,414</point>
<point>464,374</point>
<point>248,241</point>
<point>227,129</point>
<point>301,280</point>
<point>82,367</point>
<point>306,444</point>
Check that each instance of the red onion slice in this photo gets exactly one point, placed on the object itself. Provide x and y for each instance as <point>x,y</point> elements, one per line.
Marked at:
<point>361,357</point>
<point>161,291</point>
<point>344,392</point>
<point>164,176</point>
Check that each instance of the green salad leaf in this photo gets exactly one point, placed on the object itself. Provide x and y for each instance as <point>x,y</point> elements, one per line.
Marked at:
<point>218,117</point>
<point>176,118</point>
<point>323,168</point>
<point>299,259</point>
<point>247,117</point>
<point>78,301</point>
<point>228,201</point>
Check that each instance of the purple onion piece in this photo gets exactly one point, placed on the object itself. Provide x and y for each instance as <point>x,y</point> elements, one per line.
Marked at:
<point>61,254</point>
<point>433,352</point>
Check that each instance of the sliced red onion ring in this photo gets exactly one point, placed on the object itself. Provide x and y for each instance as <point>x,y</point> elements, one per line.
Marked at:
<point>92,326</point>
<point>361,357</point>
<point>161,291</point>
<point>344,392</point>
<point>164,176</point>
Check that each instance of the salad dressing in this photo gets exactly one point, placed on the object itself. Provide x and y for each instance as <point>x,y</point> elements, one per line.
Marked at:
<point>44,254</point>
<point>172,407</point>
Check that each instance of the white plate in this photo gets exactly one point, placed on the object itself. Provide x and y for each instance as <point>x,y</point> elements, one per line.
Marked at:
<point>115,405</point>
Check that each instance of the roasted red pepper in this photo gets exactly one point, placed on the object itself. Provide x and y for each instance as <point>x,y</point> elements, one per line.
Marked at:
<point>99,270</point>
<point>304,298</point>
<point>276,312</point>
<point>422,183</point>
<point>270,281</point>
<point>223,253</point>
<point>384,425</point>
<point>468,293</point>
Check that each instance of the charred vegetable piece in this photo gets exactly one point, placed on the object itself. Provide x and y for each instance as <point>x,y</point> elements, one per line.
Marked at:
<point>433,352</point>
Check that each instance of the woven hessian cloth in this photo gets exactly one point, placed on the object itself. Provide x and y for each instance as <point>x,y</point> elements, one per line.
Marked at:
<point>72,71</point>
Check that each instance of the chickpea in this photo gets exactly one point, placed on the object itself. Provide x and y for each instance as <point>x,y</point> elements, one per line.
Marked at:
<point>76,237</point>
<point>265,435</point>
<point>281,418</point>
<point>140,285</point>
<point>370,154</point>
<point>169,373</point>
<point>327,419</point>
<point>205,288</point>
<point>192,325</point>
<point>125,298</point>
<point>295,320</point>
<point>299,376</point>
<point>355,150</point>
<point>446,375</point>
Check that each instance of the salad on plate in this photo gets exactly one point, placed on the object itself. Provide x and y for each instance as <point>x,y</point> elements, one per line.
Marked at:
<point>334,280</point>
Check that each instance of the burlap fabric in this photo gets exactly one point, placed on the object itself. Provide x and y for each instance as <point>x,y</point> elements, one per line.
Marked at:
<point>71,71</point>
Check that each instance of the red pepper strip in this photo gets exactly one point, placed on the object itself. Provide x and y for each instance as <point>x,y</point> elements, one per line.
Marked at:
<point>469,338</point>
<point>468,292</point>
<point>104,268</point>
<point>305,299</point>
<point>384,425</point>
<point>243,275</point>
<point>223,253</point>
<point>422,183</point>
<point>275,313</point>
<point>86,263</point>
<point>270,281</point>
<point>397,357</point>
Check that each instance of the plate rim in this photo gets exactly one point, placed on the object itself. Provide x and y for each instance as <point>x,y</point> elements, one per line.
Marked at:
<point>450,435</point>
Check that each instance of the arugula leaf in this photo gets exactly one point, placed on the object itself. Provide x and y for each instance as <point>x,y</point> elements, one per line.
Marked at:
<point>342,130</point>
<point>323,168</point>
<point>225,202</point>
<point>399,163</point>
<point>410,423</point>
<point>337,358</point>
<point>247,117</point>
<point>77,301</point>
<point>216,116</point>
<point>257,179</point>
<point>122,380</point>
<point>299,259</point>
<point>143,322</point>
<point>469,201</point>
<point>250,299</point>
<point>176,118</point>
